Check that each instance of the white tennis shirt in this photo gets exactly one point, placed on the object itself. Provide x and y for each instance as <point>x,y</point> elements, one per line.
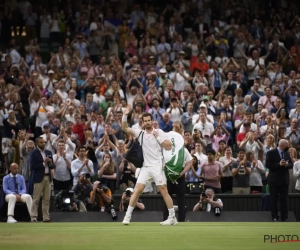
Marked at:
<point>152,151</point>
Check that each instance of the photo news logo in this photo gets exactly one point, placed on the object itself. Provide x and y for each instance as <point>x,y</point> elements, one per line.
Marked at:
<point>280,238</point>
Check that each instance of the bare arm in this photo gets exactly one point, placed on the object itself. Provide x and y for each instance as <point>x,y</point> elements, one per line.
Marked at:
<point>124,122</point>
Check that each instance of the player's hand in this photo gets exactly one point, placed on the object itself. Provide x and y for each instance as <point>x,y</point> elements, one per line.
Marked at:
<point>127,110</point>
<point>155,133</point>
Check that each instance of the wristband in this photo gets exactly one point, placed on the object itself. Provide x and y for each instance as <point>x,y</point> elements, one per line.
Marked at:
<point>124,118</point>
<point>159,139</point>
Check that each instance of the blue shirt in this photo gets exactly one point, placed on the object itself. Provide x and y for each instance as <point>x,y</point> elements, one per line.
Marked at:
<point>9,184</point>
<point>280,153</point>
<point>165,127</point>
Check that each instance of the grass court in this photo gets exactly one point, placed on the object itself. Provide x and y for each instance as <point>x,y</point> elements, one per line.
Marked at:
<point>145,236</point>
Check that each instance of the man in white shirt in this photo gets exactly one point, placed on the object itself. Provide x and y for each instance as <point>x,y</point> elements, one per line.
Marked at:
<point>202,109</point>
<point>254,64</point>
<point>81,165</point>
<point>62,161</point>
<point>180,78</point>
<point>61,90</point>
<point>14,55</point>
<point>70,147</point>
<point>50,82</point>
<point>205,127</point>
<point>97,97</point>
<point>199,154</point>
<point>48,137</point>
<point>153,141</point>
<point>175,111</point>
<point>72,99</point>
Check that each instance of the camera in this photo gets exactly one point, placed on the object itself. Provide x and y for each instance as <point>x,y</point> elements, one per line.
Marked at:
<point>101,186</point>
<point>128,193</point>
<point>113,212</point>
<point>204,195</point>
<point>64,200</point>
<point>217,211</point>
<point>87,176</point>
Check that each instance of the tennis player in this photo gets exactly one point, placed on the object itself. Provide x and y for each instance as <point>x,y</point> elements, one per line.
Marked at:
<point>153,141</point>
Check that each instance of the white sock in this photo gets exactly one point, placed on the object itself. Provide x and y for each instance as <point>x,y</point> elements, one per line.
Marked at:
<point>171,211</point>
<point>129,210</point>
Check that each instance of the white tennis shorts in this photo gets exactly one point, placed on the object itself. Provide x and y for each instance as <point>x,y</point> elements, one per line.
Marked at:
<point>152,173</point>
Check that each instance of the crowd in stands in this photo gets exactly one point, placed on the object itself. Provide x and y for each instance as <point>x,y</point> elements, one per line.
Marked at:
<point>226,73</point>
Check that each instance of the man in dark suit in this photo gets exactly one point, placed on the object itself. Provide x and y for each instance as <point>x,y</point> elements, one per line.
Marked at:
<point>173,27</point>
<point>201,28</point>
<point>41,164</point>
<point>278,161</point>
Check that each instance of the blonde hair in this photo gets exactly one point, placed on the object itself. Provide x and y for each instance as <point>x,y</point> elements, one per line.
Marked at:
<point>111,168</point>
<point>175,128</point>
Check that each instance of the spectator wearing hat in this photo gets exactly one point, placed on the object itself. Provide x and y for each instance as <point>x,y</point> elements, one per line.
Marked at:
<point>211,172</point>
<point>206,129</point>
<point>163,79</point>
<point>49,83</point>
<point>48,137</point>
<point>125,201</point>
<point>181,61</point>
<point>203,108</point>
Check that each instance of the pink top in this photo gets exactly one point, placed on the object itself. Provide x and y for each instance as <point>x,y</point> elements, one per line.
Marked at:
<point>210,171</point>
<point>216,139</point>
<point>262,100</point>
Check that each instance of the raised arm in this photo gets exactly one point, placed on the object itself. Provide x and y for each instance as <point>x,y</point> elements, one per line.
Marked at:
<point>125,127</point>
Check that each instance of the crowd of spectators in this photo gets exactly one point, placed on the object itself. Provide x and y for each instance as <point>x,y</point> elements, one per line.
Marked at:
<point>224,72</point>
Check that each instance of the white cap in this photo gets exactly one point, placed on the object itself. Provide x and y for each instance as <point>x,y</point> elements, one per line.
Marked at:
<point>162,71</point>
<point>129,189</point>
<point>50,72</point>
<point>202,105</point>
